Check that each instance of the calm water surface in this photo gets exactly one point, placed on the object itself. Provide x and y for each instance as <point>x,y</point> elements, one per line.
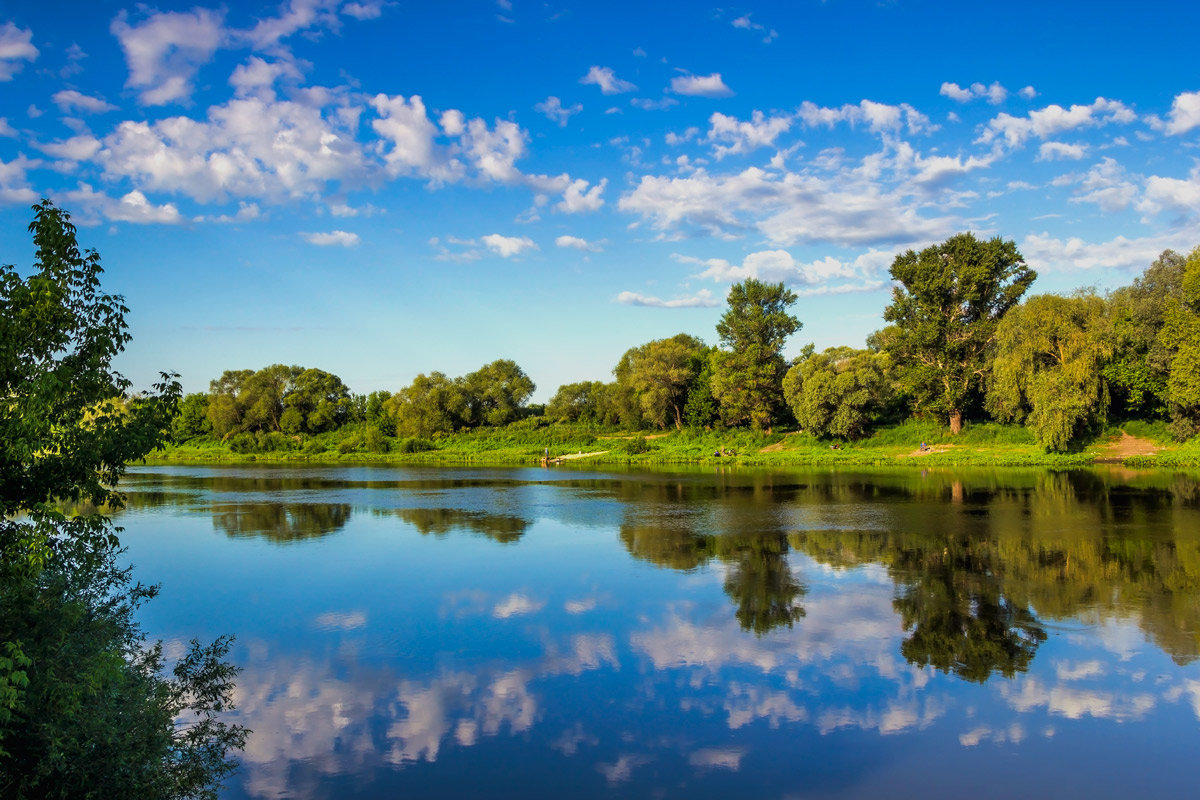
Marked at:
<point>551,633</point>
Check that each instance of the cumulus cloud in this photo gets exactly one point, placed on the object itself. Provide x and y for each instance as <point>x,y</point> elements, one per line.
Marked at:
<point>1107,185</point>
<point>508,246</point>
<point>1185,113</point>
<point>995,93</point>
<point>133,207</point>
<point>607,80</point>
<point>578,198</point>
<point>1051,151</point>
<point>1117,253</point>
<point>332,238</point>
<point>1054,119</point>
<point>553,109</point>
<point>297,15</point>
<point>166,50</point>
<point>785,207</point>
<point>371,9</point>
<point>701,85</point>
<point>731,136</point>
<point>576,243</point>
<point>257,76</point>
<point>69,100</point>
<point>16,47</point>
<point>14,186</point>
<point>878,117</point>
<point>7,130</point>
<point>1176,195</point>
<point>701,299</point>
<point>77,148</point>
<point>775,266</point>
<point>247,147</point>
<point>1028,92</point>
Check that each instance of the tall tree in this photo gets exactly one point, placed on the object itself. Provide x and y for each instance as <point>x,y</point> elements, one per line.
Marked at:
<point>1048,370</point>
<point>1137,372</point>
<point>1181,336</point>
<point>748,374</point>
<point>430,404</point>
<point>659,373</point>
<point>950,299</point>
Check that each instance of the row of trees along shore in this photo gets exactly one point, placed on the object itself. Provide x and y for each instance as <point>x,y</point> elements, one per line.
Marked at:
<point>963,342</point>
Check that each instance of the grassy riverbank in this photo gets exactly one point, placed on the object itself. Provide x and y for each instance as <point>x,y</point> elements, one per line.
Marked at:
<point>1135,444</point>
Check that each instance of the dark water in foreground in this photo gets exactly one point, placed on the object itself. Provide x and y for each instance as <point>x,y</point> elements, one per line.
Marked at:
<point>548,633</point>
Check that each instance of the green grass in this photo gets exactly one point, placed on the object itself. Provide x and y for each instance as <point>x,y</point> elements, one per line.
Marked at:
<point>984,444</point>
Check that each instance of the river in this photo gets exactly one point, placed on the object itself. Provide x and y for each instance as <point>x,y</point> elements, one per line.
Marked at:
<point>457,632</point>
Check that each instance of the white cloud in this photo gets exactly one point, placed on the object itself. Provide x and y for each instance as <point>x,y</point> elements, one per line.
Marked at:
<point>339,238</point>
<point>1028,93</point>
<point>69,100</point>
<point>16,47</point>
<point>248,147</point>
<point>371,9</point>
<point>701,299</point>
<point>646,104</point>
<point>995,93</point>
<point>297,16</point>
<point>879,117</point>
<point>1185,113</point>
<point>555,111</point>
<point>731,136</point>
<point>14,187</point>
<point>411,134</point>
<point>1053,119</point>
<point>1177,195</point>
<point>1117,253</point>
<point>132,207</point>
<point>245,213</point>
<point>774,266</point>
<point>578,198</point>
<point>606,79</point>
<point>576,243</point>
<point>166,50</point>
<point>508,246</point>
<point>257,76</point>
<point>746,24</point>
<point>1106,185</point>
<point>701,85</point>
<point>786,208</point>
<point>7,130</point>
<point>77,148</point>
<point>1051,151</point>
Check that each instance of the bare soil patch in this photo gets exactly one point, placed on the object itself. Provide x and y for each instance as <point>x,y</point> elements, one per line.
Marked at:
<point>928,451</point>
<point>1125,446</point>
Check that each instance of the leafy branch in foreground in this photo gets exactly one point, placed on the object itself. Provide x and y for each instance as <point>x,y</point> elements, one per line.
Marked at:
<point>86,709</point>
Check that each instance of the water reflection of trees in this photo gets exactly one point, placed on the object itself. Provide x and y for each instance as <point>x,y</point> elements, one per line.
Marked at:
<point>979,559</point>
<point>443,521</point>
<point>280,522</point>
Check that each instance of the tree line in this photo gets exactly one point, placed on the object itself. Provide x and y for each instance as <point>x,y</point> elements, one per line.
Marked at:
<point>962,343</point>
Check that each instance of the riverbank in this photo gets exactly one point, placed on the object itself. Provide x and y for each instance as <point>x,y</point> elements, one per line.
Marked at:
<point>912,444</point>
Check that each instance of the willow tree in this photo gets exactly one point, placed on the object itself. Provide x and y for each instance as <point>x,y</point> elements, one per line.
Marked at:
<point>1048,372</point>
<point>748,372</point>
<point>945,311</point>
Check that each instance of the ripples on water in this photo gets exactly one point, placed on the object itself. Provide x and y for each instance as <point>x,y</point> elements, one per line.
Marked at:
<point>471,632</point>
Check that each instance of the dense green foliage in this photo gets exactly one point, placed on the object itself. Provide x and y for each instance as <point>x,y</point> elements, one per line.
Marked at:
<point>1180,335</point>
<point>839,392</point>
<point>945,311</point>
<point>85,707</point>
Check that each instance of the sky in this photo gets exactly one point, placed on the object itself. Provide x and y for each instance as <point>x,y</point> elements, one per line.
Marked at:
<point>381,189</point>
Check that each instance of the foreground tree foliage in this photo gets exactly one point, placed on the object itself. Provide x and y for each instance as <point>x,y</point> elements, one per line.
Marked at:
<point>945,311</point>
<point>85,707</point>
<point>1048,373</point>
<point>748,373</point>
<point>838,392</point>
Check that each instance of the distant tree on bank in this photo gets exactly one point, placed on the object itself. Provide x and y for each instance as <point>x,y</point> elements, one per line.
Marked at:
<point>748,372</point>
<point>430,404</point>
<point>1137,372</point>
<point>1181,336</point>
<point>1049,368</point>
<point>278,399</point>
<point>495,393</point>
<point>659,374</point>
<point>945,311</point>
<point>586,401</point>
<point>838,392</point>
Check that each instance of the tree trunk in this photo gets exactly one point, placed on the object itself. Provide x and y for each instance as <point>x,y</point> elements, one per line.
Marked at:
<point>678,419</point>
<point>956,422</point>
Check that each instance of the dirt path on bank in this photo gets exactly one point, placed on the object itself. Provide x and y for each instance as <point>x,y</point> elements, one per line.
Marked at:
<point>1125,446</point>
<point>928,451</point>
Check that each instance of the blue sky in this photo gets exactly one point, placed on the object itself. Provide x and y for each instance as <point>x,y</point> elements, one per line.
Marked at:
<point>380,189</point>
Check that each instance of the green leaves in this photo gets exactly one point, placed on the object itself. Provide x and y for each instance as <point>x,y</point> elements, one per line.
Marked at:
<point>951,298</point>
